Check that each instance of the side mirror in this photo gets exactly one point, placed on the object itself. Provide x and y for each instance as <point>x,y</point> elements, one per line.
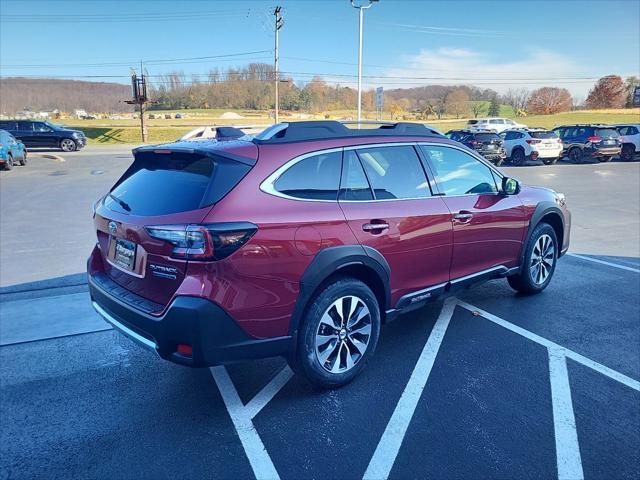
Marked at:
<point>510,186</point>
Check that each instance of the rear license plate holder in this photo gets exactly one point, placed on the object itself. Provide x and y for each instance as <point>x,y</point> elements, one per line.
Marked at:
<point>124,254</point>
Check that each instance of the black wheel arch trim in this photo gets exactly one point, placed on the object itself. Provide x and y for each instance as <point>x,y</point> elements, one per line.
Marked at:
<point>541,211</point>
<point>332,259</point>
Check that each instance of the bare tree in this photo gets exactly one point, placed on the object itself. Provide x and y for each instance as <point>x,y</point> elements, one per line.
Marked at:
<point>517,98</point>
<point>548,100</point>
<point>477,108</point>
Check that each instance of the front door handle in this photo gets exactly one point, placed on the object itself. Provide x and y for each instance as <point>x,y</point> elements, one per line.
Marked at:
<point>463,216</point>
<point>375,227</point>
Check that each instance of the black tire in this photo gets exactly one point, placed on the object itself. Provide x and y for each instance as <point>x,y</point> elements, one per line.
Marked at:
<point>524,282</point>
<point>575,154</point>
<point>518,157</point>
<point>549,161</point>
<point>8,165</point>
<point>307,360</point>
<point>23,162</point>
<point>627,153</point>
<point>605,159</point>
<point>68,145</point>
<point>498,162</point>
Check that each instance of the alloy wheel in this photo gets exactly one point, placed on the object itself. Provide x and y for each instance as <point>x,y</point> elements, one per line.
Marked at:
<point>343,334</point>
<point>543,257</point>
<point>68,145</point>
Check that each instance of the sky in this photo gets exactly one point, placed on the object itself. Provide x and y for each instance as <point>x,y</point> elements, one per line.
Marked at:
<point>499,44</point>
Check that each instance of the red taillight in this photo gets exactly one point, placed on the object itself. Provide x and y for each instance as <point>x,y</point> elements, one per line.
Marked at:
<point>204,242</point>
<point>594,139</point>
<point>186,350</point>
<point>533,141</point>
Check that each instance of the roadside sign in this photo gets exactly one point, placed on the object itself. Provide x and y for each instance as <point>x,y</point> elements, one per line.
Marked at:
<point>379,98</point>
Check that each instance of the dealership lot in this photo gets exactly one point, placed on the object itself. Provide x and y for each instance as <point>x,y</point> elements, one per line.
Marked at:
<point>489,384</point>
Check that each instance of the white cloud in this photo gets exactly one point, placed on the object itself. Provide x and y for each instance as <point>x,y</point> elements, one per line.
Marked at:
<point>456,66</point>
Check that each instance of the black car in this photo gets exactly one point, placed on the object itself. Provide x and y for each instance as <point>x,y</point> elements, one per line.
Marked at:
<point>34,133</point>
<point>601,142</point>
<point>487,144</point>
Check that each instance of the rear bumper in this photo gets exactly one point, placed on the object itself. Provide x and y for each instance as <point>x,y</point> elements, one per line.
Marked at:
<point>214,336</point>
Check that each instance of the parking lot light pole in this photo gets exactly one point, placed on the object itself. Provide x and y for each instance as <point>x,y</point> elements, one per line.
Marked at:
<point>361,8</point>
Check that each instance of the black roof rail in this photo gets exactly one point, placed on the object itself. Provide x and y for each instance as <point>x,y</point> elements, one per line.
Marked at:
<point>330,129</point>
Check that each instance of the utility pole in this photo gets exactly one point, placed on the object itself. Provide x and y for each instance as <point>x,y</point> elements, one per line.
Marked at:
<point>361,7</point>
<point>140,98</point>
<point>278,25</point>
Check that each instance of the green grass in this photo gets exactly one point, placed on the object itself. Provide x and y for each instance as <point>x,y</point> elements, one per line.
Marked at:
<point>127,131</point>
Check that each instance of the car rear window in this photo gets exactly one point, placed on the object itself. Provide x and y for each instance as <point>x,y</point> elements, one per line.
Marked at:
<point>472,122</point>
<point>162,184</point>
<point>543,135</point>
<point>487,137</point>
<point>607,132</point>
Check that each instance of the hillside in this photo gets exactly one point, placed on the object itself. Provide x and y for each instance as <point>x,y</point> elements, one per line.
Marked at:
<point>18,93</point>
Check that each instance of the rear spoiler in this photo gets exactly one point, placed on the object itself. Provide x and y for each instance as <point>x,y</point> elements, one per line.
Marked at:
<point>188,147</point>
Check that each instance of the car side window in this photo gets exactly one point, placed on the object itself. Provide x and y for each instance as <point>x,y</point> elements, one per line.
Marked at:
<point>458,173</point>
<point>354,185</point>
<point>313,178</point>
<point>395,172</point>
<point>41,127</point>
<point>494,121</point>
<point>510,135</point>
<point>25,126</point>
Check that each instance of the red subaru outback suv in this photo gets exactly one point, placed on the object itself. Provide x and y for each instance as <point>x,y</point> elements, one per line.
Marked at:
<point>303,240</point>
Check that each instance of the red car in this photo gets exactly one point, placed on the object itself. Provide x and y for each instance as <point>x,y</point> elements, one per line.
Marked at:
<point>304,240</point>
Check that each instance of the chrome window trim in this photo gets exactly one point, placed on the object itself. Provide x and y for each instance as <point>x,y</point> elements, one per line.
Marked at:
<point>267,185</point>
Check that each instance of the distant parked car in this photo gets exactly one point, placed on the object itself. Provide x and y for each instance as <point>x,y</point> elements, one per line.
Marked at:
<point>44,134</point>
<point>178,115</point>
<point>495,124</point>
<point>487,144</point>
<point>533,144</point>
<point>458,135</point>
<point>630,139</point>
<point>589,141</point>
<point>11,151</point>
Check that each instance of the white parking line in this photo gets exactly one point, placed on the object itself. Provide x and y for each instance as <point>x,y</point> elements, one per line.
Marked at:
<point>258,456</point>
<point>603,262</point>
<point>568,457</point>
<point>389,446</point>
<point>265,395</point>
<point>587,362</point>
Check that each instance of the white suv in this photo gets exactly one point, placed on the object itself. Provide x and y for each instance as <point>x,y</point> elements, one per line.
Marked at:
<point>630,139</point>
<point>494,124</point>
<point>532,143</point>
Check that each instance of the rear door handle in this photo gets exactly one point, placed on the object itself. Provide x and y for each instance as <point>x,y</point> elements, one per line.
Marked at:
<point>463,216</point>
<point>375,227</point>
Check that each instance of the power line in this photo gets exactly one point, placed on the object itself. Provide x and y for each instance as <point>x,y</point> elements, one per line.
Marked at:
<point>159,61</point>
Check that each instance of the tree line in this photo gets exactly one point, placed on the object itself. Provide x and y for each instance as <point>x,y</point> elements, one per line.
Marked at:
<point>252,88</point>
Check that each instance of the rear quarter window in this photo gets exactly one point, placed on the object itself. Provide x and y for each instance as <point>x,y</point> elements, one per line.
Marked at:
<point>312,178</point>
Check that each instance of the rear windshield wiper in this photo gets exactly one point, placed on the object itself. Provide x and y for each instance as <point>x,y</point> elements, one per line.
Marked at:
<point>122,203</point>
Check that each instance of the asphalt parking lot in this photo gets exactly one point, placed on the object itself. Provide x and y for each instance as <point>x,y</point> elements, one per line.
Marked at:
<point>486,385</point>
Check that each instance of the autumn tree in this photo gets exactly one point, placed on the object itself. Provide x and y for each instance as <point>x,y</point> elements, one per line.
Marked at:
<point>548,100</point>
<point>608,92</point>
<point>457,102</point>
